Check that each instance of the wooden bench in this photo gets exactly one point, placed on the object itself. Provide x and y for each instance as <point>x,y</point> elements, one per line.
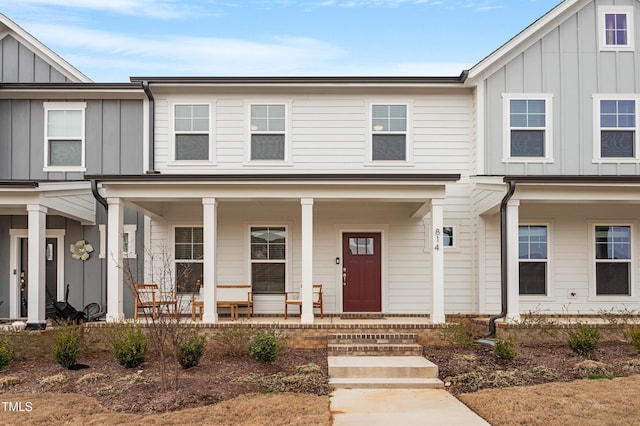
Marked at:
<point>149,296</point>
<point>232,296</point>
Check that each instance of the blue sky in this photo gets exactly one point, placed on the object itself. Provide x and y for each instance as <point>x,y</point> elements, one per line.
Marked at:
<point>111,40</point>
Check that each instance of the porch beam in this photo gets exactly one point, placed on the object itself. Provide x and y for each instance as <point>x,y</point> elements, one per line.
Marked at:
<point>37,218</point>
<point>513,268</point>
<point>437,262</point>
<point>115,275</point>
<point>306,289</point>
<point>422,211</point>
<point>210,232</point>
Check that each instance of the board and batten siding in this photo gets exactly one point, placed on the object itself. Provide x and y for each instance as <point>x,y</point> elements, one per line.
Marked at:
<point>19,64</point>
<point>567,64</point>
<point>113,135</point>
<point>329,132</point>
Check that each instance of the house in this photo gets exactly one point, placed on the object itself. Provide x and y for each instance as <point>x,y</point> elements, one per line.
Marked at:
<point>508,188</point>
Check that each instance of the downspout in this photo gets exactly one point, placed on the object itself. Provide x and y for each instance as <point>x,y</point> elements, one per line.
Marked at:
<point>103,201</point>
<point>152,120</point>
<point>503,259</point>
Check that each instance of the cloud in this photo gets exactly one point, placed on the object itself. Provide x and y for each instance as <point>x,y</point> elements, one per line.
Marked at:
<point>161,9</point>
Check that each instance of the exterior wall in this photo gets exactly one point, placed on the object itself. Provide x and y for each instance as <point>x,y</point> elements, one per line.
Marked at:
<point>567,63</point>
<point>113,139</point>
<point>329,130</point>
<point>18,64</point>
<point>406,256</point>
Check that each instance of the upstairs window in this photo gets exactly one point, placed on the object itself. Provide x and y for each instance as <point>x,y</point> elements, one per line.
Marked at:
<point>616,129</point>
<point>389,132</point>
<point>192,132</point>
<point>64,136</point>
<point>616,28</point>
<point>613,260</point>
<point>528,128</point>
<point>532,245</point>
<point>268,132</point>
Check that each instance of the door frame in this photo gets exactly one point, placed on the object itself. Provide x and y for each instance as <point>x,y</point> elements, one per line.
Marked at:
<point>14,259</point>
<point>383,230</point>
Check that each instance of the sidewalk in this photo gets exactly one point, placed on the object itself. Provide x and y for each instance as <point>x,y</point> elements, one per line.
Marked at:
<point>403,407</point>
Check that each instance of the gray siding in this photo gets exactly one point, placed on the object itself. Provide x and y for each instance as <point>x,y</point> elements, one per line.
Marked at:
<point>113,139</point>
<point>567,63</point>
<point>18,64</point>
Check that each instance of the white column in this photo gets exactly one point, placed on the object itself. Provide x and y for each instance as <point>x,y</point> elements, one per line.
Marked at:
<point>37,218</point>
<point>513,267</point>
<point>115,217</point>
<point>210,225</point>
<point>437,262</point>
<point>306,288</point>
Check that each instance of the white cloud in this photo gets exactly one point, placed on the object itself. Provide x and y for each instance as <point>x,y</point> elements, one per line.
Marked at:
<point>162,9</point>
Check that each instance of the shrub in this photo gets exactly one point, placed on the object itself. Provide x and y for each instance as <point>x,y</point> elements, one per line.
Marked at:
<point>234,340</point>
<point>584,339</point>
<point>128,344</point>
<point>190,351</point>
<point>264,347</point>
<point>505,349</point>
<point>66,345</point>
<point>6,354</point>
<point>458,333</point>
<point>633,333</point>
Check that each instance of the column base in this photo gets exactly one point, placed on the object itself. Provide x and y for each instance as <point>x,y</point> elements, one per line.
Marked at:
<point>209,318</point>
<point>35,326</point>
<point>115,317</point>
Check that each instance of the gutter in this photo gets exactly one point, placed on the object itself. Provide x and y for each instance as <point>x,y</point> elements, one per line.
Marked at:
<point>103,201</point>
<point>152,120</point>
<point>99,198</point>
<point>503,260</point>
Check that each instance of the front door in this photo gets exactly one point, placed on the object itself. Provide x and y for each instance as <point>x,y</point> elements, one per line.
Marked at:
<point>361,272</point>
<point>51,272</point>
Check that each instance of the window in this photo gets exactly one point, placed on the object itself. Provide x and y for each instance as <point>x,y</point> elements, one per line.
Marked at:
<point>268,132</point>
<point>447,236</point>
<point>527,127</point>
<point>268,259</point>
<point>64,136</point>
<point>616,131</point>
<point>128,241</point>
<point>532,247</point>
<point>388,132</point>
<point>189,253</point>
<point>361,246</point>
<point>191,125</point>
<point>616,28</point>
<point>613,260</point>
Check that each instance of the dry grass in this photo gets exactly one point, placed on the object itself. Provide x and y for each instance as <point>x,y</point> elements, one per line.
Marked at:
<point>583,402</point>
<point>247,410</point>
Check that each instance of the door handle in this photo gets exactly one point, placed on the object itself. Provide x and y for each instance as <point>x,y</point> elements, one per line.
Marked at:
<point>344,276</point>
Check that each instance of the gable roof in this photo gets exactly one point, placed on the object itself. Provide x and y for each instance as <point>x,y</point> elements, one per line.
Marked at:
<point>524,39</point>
<point>8,27</point>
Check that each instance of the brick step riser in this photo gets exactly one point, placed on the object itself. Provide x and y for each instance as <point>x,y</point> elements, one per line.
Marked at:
<point>366,350</point>
<point>386,372</point>
<point>368,336</point>
<point>376,353</point>
<point>386,384</point>
<point>360,341</point>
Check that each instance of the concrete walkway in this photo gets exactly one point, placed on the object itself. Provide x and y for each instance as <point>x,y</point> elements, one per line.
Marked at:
<point>404,407</point>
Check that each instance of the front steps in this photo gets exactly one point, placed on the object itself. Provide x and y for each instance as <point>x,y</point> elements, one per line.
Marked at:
<point>380,360</point>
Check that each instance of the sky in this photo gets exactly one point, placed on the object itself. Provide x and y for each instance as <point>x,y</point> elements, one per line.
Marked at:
<point>112,40</point>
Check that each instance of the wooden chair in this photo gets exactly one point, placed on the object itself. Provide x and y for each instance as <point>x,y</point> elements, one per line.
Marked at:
<point>149,296</point>
<point>294,298</point>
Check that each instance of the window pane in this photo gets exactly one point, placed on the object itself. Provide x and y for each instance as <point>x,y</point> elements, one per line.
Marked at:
<point>612,278</point>
<point>533,278</point>
<point>268,277</point>
<point>380,111</point>
<point>532,242</point>
<point>267,147</point>
<point>65,153</point>
<point>189,277</point>
<point>616,143</point>
<point>389,147</point>
<point>527,113</point>
<point>447,236</point>
<point>527,143</point>
<point>613,242</point>
<point>268,243</point>
<point>64,124</point>
<point>192,147</point>
<point>188,243</point>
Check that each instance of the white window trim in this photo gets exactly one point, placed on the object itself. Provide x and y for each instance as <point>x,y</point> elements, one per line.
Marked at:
<point>593,297</point>
<point>506,127</point>
<point>288,282</point>
<point>619,10</point>
<point>287,132</point>
<point>549,296</point>
<point>64,106</point>
<point>172,134</point>
<point>596,128</point>
<point>130,230</point>
<point>408,161</point>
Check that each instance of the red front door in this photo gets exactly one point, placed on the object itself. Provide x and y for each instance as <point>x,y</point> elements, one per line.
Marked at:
<point>361,272</point>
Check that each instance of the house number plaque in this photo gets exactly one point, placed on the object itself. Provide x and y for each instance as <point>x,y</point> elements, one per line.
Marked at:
<point>437,235</point>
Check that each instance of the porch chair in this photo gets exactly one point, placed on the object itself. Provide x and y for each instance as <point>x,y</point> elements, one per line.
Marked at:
<point>150,296</point>
<point>294,298</point>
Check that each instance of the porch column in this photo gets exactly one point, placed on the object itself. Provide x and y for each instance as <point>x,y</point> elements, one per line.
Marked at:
<point>37,222</point>
<point>437,262</point>
<point>210,231</point>
<point>306,288</point>
<point>513,267</point>
<point>115,216</point>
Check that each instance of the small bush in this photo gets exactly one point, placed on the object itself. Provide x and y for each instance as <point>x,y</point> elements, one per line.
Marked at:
<point>458,333</point>
<point>190,351</point>
<point>6,354</point>
<point>264,347</point>
<point>66,345</point>
<point>584,340</point>
<point>505,349</point>
<point>129,344</point>
<point>633,334</point>
<point>234,340</point>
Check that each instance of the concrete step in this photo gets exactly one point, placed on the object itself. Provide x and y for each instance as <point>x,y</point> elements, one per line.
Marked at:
<point>384,367</point>
<point>379,349</point>
<point>386,383</point>
<point>372,338</point>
